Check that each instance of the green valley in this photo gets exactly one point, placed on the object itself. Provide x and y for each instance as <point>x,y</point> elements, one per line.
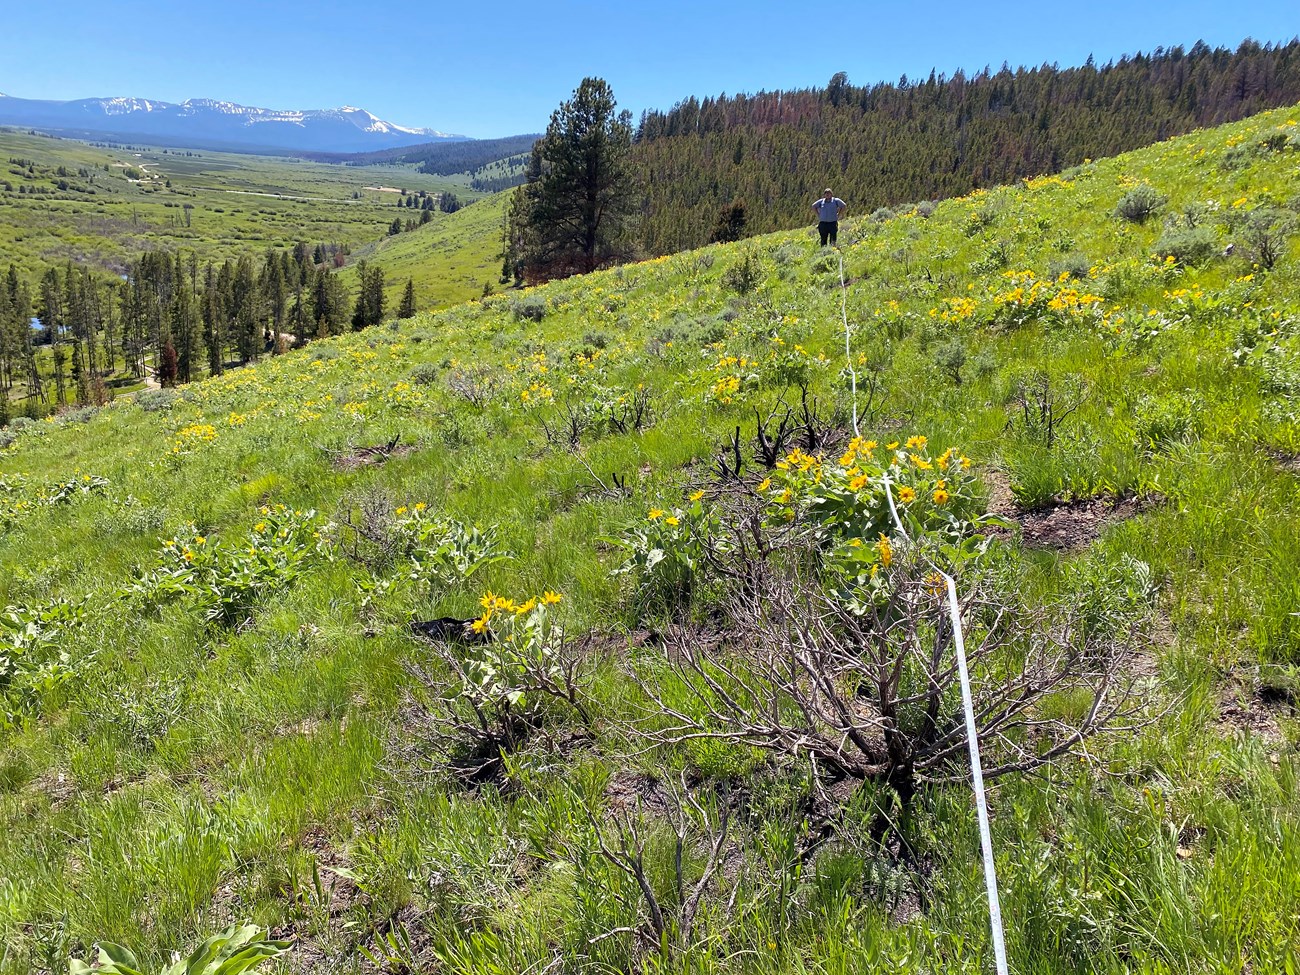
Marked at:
<point>101,207</point>
<point>598,625</point>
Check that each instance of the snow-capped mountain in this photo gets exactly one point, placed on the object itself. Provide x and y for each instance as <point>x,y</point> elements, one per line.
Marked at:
<point>207,122</point>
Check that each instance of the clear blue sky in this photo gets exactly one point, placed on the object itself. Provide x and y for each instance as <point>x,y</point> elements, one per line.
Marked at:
<point>490,69</point>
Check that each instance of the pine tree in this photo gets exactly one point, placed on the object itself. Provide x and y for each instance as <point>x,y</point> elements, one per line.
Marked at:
<point>407,308</point>
<point>369,309</point>
<point>570,216</point>
<point>730,225</point>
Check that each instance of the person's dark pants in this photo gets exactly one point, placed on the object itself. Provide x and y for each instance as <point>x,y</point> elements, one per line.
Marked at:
<point>829,229</point>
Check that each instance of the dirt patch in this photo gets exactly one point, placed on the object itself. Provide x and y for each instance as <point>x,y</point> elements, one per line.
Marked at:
<point>1065,525</point>
<point>1256,706</point>
<point>627,791</point>
<point>355,458</point>
<point>59,786</point>
<point>1284,460</point>
<point>319,908</point>
<point>1075,524</point>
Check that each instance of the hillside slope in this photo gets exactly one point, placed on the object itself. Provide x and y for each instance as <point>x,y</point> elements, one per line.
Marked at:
<point>99,207</point>
<point>889,144</point>
<point>450,259</point>
<point>216,709</point>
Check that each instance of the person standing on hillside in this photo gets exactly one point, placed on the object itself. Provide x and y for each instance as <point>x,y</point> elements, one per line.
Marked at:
<point>828,209</point>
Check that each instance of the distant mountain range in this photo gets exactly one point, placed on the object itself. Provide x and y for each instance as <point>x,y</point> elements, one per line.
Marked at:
<point>207,123</point>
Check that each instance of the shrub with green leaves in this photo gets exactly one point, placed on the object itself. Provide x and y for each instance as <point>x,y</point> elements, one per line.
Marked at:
<point>844,506</point>
<point>225,580</point>
<point>35,654</point>
<point>1187,247</point>
<point>1139,204</point>
<point>664,554</point>
<point>441,551</point>
<point>236,950</point>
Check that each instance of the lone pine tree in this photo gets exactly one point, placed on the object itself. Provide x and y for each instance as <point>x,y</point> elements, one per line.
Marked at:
<point>571,214</point>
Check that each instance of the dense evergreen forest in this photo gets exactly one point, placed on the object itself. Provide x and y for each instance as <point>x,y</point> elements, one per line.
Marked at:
<point>437,158</point>
<point>170,320</point>
<point>889,144</point>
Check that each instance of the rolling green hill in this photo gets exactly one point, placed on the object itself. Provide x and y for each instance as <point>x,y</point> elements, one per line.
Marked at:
<point>216,709</point>
<point>62,200</point>
<point>451,259</point>
<point>887,145</point>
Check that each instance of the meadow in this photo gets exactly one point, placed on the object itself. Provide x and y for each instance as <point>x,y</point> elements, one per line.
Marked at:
<point>455,257</point>
<point>115,203</point>
<point>216,708</point>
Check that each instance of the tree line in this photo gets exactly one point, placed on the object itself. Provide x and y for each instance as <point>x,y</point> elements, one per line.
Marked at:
<point>888,144</point>
<point>172,319</point>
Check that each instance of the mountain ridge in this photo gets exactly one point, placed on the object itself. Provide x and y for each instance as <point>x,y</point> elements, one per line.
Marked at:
<point>217,122</point>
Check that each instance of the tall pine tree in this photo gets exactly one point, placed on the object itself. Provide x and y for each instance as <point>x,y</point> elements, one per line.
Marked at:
<point>571,215</point>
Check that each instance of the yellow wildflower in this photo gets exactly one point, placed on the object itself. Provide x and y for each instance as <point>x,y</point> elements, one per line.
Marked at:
<point>940,496</point>
<point>671,520</point>
<point>550,598</point>
<point>915,443</point>
<point>697,495</point>
<point>480,625</point>
<point>526,607</point>
<point>885,550</point>
<point>767,483</point>
<point>401,510</point>
<point>906,494</point>
<point>858,483</point>
<point>655,514</point>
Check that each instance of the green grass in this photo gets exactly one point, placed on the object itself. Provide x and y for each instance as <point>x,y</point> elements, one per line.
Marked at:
<point>171,776</point>
<point>240,204</point>
<point>450,259</point>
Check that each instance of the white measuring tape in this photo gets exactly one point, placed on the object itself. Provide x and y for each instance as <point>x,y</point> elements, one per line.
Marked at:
<point>959,641</point>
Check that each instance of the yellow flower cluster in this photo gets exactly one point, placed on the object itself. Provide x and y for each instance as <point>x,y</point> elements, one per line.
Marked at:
<point>955,309</point>
<point>188,438</point>
<point>798,460</point>
<point>1043,182</point>
<point>494,605</point>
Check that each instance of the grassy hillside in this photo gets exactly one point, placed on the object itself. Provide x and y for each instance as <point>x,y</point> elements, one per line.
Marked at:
<point>218,204</point>
<point>450,259</point>
<point>216,708</point>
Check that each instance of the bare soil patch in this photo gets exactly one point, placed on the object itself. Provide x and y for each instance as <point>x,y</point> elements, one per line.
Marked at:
<point>320,909</point>
<point>628,790</point>
<point>1066,525</point>
<point>1075,524</point>
<point>1284,460</point>
<point>1254,705</point>
<point>359,457</point>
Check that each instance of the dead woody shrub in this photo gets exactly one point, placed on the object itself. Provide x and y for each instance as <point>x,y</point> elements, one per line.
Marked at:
<point>866,686</point>
<point>697,829</point>
<point>487,694</point>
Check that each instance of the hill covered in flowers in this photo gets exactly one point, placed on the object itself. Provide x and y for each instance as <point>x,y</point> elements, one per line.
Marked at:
<point>576,625</point>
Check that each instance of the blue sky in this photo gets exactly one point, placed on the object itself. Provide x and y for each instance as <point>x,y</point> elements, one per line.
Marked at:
<point>496,69</point>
